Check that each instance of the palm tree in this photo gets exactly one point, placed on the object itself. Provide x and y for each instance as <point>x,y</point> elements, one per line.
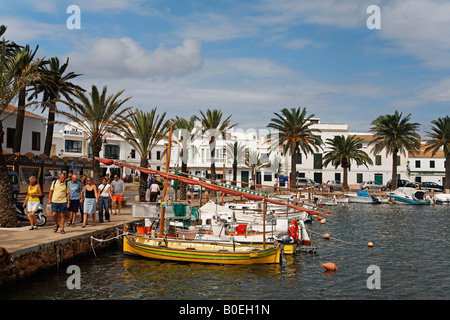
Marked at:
<point>189,126</point>
<point>143,130</point>
<point>27,58</point>
<point>396,135</point>
<point>294,134</point>
<point>343,151</point>
<point>235,151</point>
<point>440,138</point>
<point>54,84</point>
<point>213,126</point>
<point>254,162</point>
<point>97,114</point>
<point>10,86</point>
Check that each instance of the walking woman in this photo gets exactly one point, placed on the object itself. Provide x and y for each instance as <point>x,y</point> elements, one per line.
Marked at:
<point>90,201</point>
<point>104,194</point>
<point>32,201</point>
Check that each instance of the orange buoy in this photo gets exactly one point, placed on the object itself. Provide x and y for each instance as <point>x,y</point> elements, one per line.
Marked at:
<point>320,206</point>
<point>370,244</point>
<point>326,236</point>
<point>330,266</point>
<point>328,211</point>
<point>319,218</point>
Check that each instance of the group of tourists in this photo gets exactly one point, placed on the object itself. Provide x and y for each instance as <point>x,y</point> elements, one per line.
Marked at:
<point>70,195</point>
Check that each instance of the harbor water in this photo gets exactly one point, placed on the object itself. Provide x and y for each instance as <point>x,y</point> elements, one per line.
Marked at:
<point>410,255</point>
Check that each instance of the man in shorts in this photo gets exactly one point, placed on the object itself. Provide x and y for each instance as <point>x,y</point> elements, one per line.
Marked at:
<point>118,189</point>
<point>59,198</point>
<point>76,199</point>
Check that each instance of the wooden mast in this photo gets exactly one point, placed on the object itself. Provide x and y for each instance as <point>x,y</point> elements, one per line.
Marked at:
<point>163,209</point>
<point>264,221</point>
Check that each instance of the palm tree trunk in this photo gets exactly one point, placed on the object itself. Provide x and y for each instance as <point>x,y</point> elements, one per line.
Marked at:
<point>213,172</point>
<point>292,179</point>
<point>19,122</point>
<point>50,128</point>
<point>143,180</point>
<point>394,170</point>
<point>447,173</point>
<point>234,172</point>
<point>345,182</point>
<point>96,147</point>
<point>182,185</point>
<point>8,216</point>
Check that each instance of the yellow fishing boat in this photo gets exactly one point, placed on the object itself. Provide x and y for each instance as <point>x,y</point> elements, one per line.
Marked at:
<point>199,251</point>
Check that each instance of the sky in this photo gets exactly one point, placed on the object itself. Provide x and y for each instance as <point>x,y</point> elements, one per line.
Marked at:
<point>252,58</point>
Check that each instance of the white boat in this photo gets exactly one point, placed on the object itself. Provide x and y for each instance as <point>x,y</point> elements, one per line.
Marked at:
<point>442,198</point>
<point>361,196</point>
<point>408,195</point>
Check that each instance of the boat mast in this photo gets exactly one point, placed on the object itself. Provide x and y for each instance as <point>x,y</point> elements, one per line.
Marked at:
<point>264,221</point>
<point>163,209</point>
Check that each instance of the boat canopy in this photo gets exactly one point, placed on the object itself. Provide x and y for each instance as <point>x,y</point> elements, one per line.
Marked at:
<point>362,193</point>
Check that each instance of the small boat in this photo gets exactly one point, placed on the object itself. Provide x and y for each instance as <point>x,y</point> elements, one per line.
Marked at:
<point>408,195</point>
<point>362,196</point>
<point>199,251</point>
<point>442,198</point>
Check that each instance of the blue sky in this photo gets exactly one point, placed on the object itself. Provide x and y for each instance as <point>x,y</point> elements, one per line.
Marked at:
<point>252,58</point>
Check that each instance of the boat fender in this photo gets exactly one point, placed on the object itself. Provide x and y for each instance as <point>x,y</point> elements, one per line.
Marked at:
<point>326,236</point>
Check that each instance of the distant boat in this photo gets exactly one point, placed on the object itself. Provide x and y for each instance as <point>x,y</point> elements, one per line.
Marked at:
<point>409,195</point>
<point>362,197</point>
<point>442,198</point>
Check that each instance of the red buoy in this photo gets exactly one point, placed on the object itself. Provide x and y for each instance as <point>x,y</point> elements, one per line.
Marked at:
<point>330,266</point>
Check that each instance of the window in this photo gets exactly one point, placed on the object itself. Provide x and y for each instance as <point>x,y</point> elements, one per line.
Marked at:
<point>133,154</point>
<point>74,146</point>
<point>418,179</point>
<point>337,176</point>
<point>10,132</point>
<point>112,152</point>
<point>378,160</point>
<point>267,177</point>
<point>398,161</point>
<point>298,158</point>
<point>417,163</point>
<point>36,141</point>
<point>432,164</point>
<point>158,155</point>
<point>359,178</point>
<point>317,161</point>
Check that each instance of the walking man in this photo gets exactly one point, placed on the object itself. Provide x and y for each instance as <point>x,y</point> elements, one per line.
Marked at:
<point>118,189</point>
<point>76,199</point>
<point>59,198</point>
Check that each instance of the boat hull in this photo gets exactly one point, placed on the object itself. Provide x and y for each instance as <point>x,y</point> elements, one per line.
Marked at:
<point>407,200</point>
<point>198,252</point>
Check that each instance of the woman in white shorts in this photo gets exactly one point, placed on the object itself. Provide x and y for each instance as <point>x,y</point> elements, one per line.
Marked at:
<point>32,201</point>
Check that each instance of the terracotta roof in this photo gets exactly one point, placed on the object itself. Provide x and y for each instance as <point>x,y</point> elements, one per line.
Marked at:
<point>423,154</point>
<point>13,109</point>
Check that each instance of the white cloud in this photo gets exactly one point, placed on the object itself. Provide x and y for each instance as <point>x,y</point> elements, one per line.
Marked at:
<point>23,30</point>
<point>124,57</point>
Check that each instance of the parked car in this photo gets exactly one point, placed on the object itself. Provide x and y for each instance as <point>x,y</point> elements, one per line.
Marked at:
<point>430,186</point>
<point>14,183</point>
<point>373,185</point>
<point>306,183</point>
<point>400,183</point>
<point>334,185</point>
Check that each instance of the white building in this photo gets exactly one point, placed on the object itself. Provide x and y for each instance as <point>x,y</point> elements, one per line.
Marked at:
<point>424,167</point>
<point>33,136</point>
